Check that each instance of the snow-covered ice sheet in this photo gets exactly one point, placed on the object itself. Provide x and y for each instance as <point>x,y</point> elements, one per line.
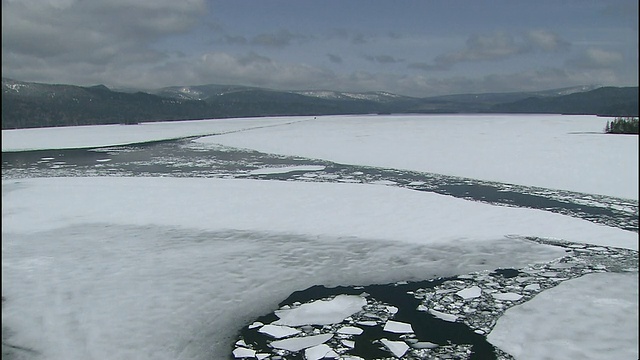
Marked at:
<point>592,317</point>
<point>550,151</point>
<point>71,137</point>
<point>357,210</point>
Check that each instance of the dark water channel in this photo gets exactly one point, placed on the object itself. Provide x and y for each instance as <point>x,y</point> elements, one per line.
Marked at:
<point>426,327</point>
<point>184,158</point>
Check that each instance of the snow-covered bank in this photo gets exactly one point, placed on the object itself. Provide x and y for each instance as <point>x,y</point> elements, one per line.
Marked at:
<point>550,151</point>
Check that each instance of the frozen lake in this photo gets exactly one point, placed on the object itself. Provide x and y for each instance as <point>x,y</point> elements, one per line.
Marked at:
<point>186,158</point>
<point>199,243</point>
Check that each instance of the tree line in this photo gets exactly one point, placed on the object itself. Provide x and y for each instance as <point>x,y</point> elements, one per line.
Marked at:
<point>622,125</point>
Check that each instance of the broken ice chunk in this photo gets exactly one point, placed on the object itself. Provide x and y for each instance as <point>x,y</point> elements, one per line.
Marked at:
<point>398,327</point>
<point>278,331</point>
<point>470,293</point>
<point>241,352</point>
<point>443,316</point>
<point>532,287</point>
<point>320,352</point>
<point>507,296</point>
<point>299,343</point>
<point>350,330</point>
<point>397,348</point>
<point>322,312</point>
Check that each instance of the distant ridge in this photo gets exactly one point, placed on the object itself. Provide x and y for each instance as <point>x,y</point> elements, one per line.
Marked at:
<point>28,104</point>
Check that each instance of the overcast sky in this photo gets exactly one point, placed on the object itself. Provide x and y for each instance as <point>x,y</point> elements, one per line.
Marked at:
<point>409,47</point>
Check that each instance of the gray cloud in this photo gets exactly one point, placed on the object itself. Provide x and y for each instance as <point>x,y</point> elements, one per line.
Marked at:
<point>278,39</point>
<point>235,40</point>
<point>382,59</point>
<point>496,46</point>
<point>334,58</point>
<point>545,41</point>
<point>90,35</point>
<point>137,44</point>
<point>359,39</point>
<point>595,58</point>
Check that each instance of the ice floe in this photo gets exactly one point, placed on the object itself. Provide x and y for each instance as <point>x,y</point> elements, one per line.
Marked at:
<point>322,311</point>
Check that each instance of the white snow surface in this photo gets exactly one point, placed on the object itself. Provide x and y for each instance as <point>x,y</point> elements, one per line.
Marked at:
<point>330,209</point>
<point>71,137</point>
<point>172,268</point>
<point>591,317</point>
<point>550,151</point>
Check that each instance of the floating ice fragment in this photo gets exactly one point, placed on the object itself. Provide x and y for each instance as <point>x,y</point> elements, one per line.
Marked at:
<point>391,309</point>
<point>348,343</point>
<point>532,287</point>
<point>398,327</point>
<point>241,352</point>
<point>320,352</point>
<point>241,343</point>
<point>321,312</point>
<point>299,343</point>
<point>367,323</point>
<point>443,316</point>
<point>507,296</point>
<point>278,331</point>
<point>283,170</point>
<point>384,182</point>
<point>470,293</point>
<point>350,330</point>
<point>397,348</point>
<point>255,325</point>
<point>261,356</point>
<point>598,248</point>
<point>424,345</point>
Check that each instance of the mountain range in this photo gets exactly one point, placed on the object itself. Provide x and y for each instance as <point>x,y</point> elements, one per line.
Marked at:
<point>29,104</point>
